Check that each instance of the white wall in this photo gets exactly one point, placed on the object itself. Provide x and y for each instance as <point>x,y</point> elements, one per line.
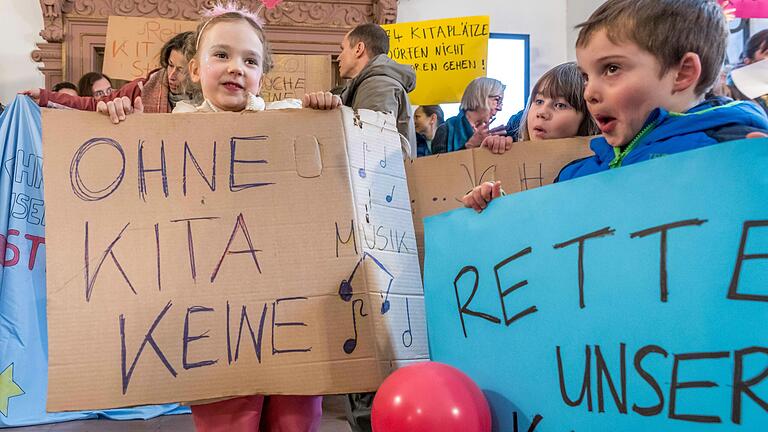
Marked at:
<point>19,28</point>
<point>577,11</point>
<point>544,21</point>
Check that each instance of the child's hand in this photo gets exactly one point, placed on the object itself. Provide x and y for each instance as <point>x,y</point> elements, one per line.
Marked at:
<point>33,93</point>
<point>757,135</point>
<point>481,195</point>
<point>497,144</point>
<point>118,109</point>
<point>321,100</point>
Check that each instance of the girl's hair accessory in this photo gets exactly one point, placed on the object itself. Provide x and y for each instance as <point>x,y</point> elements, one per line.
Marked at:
<point>232,6</point>
<point>222,8</point>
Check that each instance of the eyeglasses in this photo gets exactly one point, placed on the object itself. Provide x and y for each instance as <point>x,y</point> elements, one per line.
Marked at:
<point>101,93</point>
<point>498,99</point>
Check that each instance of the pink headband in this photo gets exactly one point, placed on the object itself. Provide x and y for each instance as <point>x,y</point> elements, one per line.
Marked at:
<point>234,7</point>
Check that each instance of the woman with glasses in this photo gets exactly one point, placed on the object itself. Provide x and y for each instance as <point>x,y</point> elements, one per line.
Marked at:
<point>95,84</point>
<point>482,99</point>
<point>160,90</point>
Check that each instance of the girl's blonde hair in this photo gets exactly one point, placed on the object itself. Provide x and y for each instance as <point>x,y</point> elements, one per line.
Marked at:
<point>562,81</point>
<point>478,91</point>
<point>192,44</point>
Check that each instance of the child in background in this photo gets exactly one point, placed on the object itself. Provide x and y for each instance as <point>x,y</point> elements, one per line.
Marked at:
<point>556,109</point>
<point>647,66</point>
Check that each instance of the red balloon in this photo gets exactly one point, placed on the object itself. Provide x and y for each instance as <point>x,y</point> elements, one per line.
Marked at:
<point>428,397</point>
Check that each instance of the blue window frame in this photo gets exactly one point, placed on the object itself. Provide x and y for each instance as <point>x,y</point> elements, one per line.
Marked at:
<point>508,62</point>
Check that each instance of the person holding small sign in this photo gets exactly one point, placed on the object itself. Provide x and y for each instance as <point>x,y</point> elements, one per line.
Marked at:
<point>648,65</point>
<point>227,57</point>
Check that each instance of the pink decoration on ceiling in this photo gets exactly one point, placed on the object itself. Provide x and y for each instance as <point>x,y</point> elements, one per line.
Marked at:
<point>747,8</point>
<point>270,4</point>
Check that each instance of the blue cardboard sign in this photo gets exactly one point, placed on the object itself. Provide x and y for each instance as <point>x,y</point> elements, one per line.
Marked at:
<point>632,300</point>
<point>23,325</point>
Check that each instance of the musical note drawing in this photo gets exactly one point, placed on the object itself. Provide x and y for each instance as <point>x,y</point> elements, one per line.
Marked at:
<point>351,343</point>
<point>345,287</point>
<point>361,171</point>
<point>383,162</point>
<point>385,303</point>
<point>408,332</point>
<point>391,194</point>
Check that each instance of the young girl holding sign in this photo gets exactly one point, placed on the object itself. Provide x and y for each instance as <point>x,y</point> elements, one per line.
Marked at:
<point>556,109</point>
<point>227,57</point>
<point>225,68</point>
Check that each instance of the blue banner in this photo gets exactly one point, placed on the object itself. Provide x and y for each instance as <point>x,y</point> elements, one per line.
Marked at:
<point>632,300</point>
<point>23,328</point>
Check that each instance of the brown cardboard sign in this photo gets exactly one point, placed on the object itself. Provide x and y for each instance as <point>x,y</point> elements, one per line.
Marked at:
<point>437,183</point>
<point>294,75</point>
<point>133,45</point>
<point>199,256</point>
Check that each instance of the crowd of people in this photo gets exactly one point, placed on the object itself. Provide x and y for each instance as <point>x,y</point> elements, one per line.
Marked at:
<point>645,81</point>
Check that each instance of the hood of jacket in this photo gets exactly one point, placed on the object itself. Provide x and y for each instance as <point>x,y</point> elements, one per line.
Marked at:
<point>381,65</point>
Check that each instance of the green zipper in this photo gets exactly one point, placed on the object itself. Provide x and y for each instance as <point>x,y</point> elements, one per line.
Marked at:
<point>620,155</point>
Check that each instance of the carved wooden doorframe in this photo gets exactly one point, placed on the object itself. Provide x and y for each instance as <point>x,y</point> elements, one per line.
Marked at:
<point>75,29</point>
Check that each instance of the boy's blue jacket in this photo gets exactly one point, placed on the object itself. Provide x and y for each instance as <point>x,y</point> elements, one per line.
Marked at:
<point>713,121</point>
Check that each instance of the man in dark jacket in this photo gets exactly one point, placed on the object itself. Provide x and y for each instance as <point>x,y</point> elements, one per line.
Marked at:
<point>377,82</point>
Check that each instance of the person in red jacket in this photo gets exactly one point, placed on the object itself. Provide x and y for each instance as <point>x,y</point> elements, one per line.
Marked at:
<point>159,90</point>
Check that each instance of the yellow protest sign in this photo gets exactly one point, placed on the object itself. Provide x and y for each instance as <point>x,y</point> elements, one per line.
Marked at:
<point>133,44</point>
<point>446,54</point>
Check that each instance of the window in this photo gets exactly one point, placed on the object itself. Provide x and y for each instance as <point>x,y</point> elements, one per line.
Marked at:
<point>508,62</point>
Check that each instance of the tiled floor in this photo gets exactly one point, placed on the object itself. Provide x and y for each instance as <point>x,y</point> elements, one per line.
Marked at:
<point>333,421</point>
